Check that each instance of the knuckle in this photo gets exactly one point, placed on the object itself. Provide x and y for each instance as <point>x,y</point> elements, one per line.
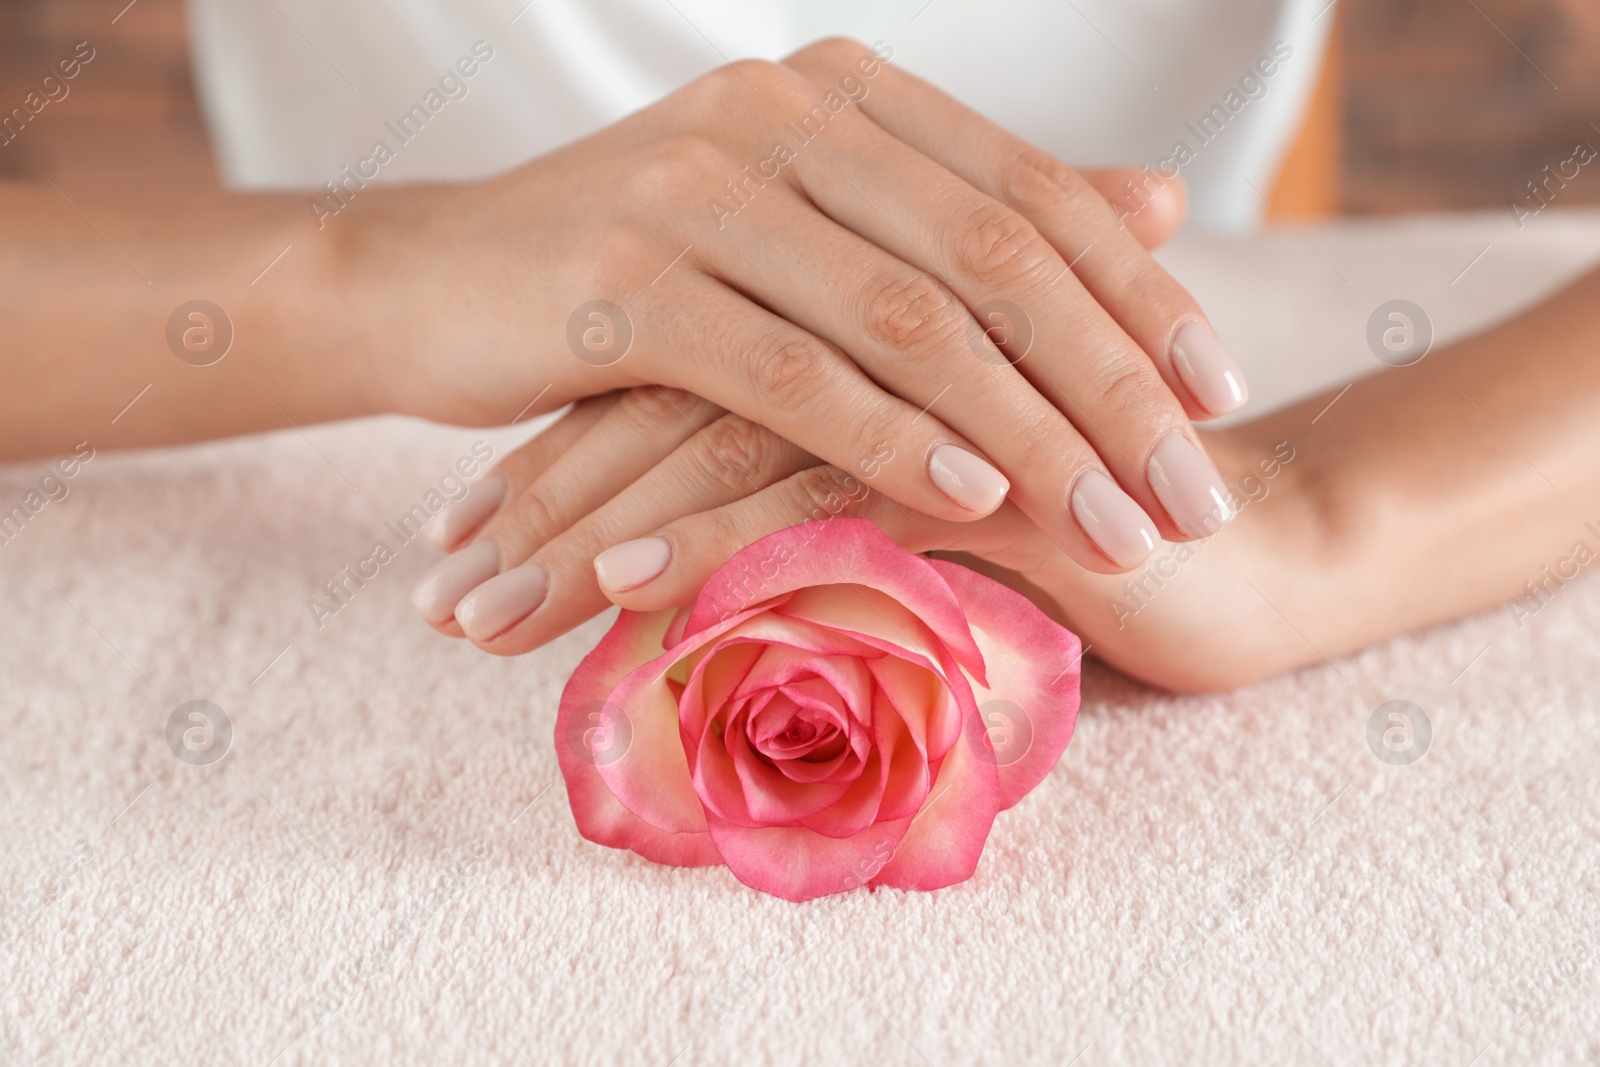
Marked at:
<point>833,51</point>
<point>627,244</point>
<point>1122,385</point>
<point>1037,181</point>
<point>880,435</point>
<point>1062,453</point>
<point>724,528</point>
<point>767,75</point>
<point>825,492</point>
<point>734,452</point>
<point>1148,285</point>
<point>1000,247</point>
<point>908,309</point>
<point>657,404</point>
<point>787,371</point>
<point>717,533</point>
<point>531,520</point>
<point>775,87</point>
<point>686,159</point>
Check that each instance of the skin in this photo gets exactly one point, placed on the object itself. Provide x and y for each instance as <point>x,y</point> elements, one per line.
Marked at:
<point>1405,504</point>
<point>836,306</point>
<point>620,464</point>
<point>1423,494</point>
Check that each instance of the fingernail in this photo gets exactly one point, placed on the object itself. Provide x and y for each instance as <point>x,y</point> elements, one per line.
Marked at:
<point>632,563</point>
<point>1188,486</point>
<point>503,601</point>
<point>460,518</point>
<point>435,597</point>
<point>967,479</point>
<point>1113,520</point>
<point>1208,370</point>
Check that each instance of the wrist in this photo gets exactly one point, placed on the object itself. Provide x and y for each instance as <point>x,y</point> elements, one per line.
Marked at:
<point>1299,506</point>
<point>454,321</point>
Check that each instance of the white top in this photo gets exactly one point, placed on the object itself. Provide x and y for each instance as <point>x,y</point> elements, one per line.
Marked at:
<point>296,90</point>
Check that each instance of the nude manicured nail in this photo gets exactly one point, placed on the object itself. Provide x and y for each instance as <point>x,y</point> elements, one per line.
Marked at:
<point>1113,520</point>
<point>1188,486</point>
<point>435,597</point>
<point>632,563</point>
<point>967,479</point>
<point>503,601</point>
<point>1208,370</point>
<point>460,518</point>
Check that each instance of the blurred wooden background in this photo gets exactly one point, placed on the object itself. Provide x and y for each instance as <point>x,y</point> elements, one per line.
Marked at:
<point>1426,104</point>
<point>131,115</point>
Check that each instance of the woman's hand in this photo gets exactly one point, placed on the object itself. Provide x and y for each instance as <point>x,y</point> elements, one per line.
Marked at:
<point>833,250</point>
<point>596,452</point>
<point>572,544</point>
<point>1399,511</point>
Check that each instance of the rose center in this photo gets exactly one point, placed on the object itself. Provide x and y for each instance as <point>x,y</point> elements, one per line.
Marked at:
<point>799,732</point>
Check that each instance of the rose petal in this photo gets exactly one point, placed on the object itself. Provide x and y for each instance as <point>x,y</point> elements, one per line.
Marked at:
<point>936,659</point>
<point>801,718</point>
<point>783,663</point>
<point>771,797</point>
<point>756,633</point>
<point>680,621</point>
<point>867,615</point>
<point>798,864</point>
<point>785,730</point>
<point>600,816</point>
<point>892,785</point>
<point>716,680</point>
<point>736,785</point>
<point>945,839</point>
<point>652,777</point>
<point>1033,663</point>
<point>931,710</point>
<point>835,763</point>
<point>906,766</point>
<point>838,552</point>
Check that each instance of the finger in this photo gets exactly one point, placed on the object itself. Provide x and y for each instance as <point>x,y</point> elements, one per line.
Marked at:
<point>1151,210</point>
<point>459,520</point>
<point>556,589</point>
<point>774,372</point>
<point>914,336</point>
<point>1015,281</point>
<point>551,488</point>
<point>1154,310</point>
<point>693,548</point>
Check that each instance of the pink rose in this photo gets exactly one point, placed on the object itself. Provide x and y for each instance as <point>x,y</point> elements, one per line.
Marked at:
<point>833,711</point>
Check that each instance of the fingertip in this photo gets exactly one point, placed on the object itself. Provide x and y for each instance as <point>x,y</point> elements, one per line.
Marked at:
<point>1150,203</point>
<point>460,519</point>
<point>652,573</point>
<point>969,480</point>
<point>1113,521</point>
<point>1206,368</point>
<point>449,628</point>
<point>1165,207</point>
<point>496,606</point>
<point>628,565</point>
<point>438,592</point>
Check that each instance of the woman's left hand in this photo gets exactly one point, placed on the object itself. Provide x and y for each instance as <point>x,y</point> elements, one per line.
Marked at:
<point>580,518</point>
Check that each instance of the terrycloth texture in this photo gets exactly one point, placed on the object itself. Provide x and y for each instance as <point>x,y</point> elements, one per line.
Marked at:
<point>1382,914</point>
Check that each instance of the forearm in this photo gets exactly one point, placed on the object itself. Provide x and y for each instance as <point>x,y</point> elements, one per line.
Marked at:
<point>87,288</point>
<point>1443,487</point>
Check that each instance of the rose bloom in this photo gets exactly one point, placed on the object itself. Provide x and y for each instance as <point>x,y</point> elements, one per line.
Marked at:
<point>833,711</point>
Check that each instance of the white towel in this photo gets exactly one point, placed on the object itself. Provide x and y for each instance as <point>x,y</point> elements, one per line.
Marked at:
<point>382,869</point>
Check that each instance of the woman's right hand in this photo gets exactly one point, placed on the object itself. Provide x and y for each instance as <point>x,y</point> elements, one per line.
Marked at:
<point>554,537</point>
<point>832,249</point>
